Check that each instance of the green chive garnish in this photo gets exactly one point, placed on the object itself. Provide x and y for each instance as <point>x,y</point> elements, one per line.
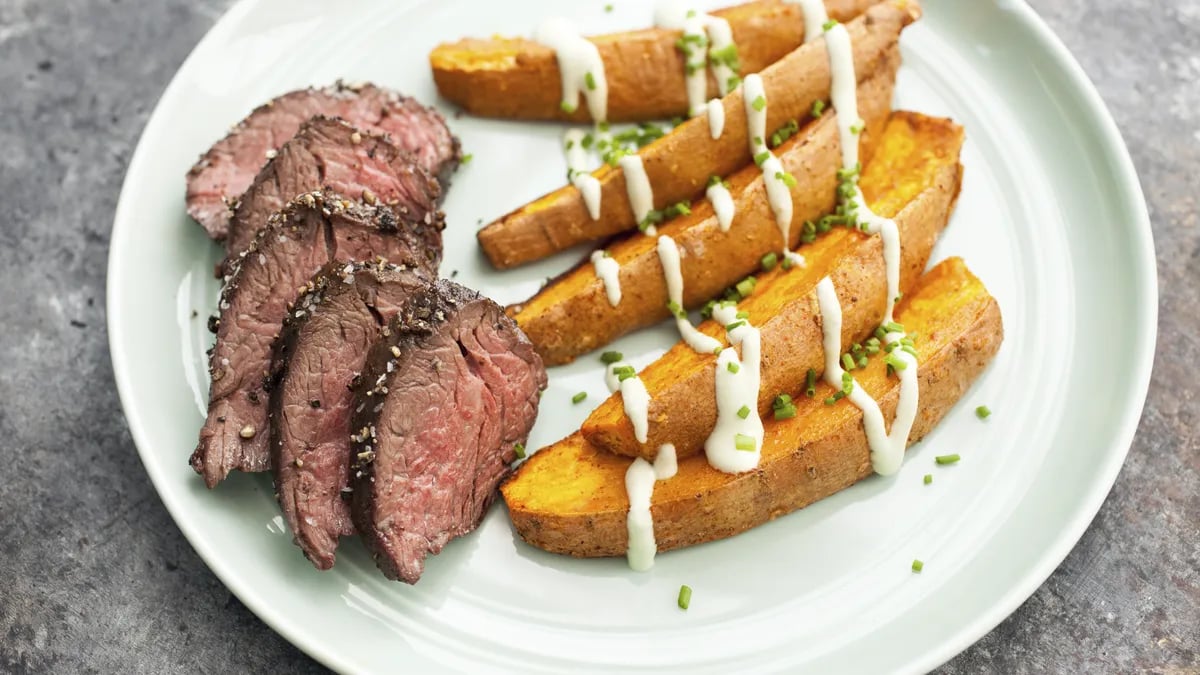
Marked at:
<point>733,326</point>
<point>579,397</point>
<point>818,108</point>
<point>762,157</point>
<point>848,362</point>
<point>744,412</point>
<point>611,357</point>
<point>567,107</point>
<point>746,286</point>
<point>917,566</point>
<point>519,448</point>
<point>590,81</point>
<point>743,314</point>
<point>769,261</point>
<point>743,442</point>
<point>787,178</point>
<point>828,25</point>
<point>947,459</point>
<point>983,412</point>
<point>928,478</point>
<point>810,383</point>
<point>732,367</point>
<point>624,373</point>
<point>759,103</point>
<point>466,159</point>
<point>685,596</point>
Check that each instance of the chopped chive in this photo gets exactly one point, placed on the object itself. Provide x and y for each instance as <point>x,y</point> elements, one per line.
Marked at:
<point>762,157</point>
<point>810,383</point>
<point>590,81</point>
<point>608,8</point>
<point>769,261</point>
<point>743,442</point>
<point>611,357</point>
<point>706,311</point>
<point>519,448</point>
<point>847,362</point>
<point>828,25</point>
<point>729,328</point>
<point>718,350</point>
<point>783,407</point>
<point>579,397</point>
<point>685,596</point>
<point>743,412</point>
<point>847,383</point>
<point>746,286</point>
<point>895,362</point>
<point>983,412</point>
<point>947,459</point>
<point>837,396</point>
<point>624,373</point>
<point>861,362</point>
<point>917,566</point>
<point>676,310</point>
<point>928,478</point>
<point>466,159</point>
<point>732,367</point>
<point>785,177</point>
<point>567,107</point>
<point>818,108</point>
<point>743,315</point>
<point>893,327</point>
<point>786,264</point>
<point>759,103</point>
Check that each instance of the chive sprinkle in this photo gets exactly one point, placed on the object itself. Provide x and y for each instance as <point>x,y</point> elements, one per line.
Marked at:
<point>928,478</point>
<point>848,362</point>
<point>917,566</point>
<point>685,596</point>
<point>769,261</point>
<point>743,442</point>
<point>947,459</point>
<point>746,286</point>
<point>590,81</point>
<point>828,25</point>
<point>732,367</point>
<point>810,383</point>
<point>567,107</point>
<point>729,328</point>
<point>743,412</point>
<point>579,397</point>
<point>983,412</point>
<point>818,108</point>
<point>466,159</point>
<point>611,357</point>
<point>759,103</point>
<point>519,448</point>
<point>761,157</point>
<point>624,373</point>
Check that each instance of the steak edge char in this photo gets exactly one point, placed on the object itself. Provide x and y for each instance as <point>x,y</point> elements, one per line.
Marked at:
<point>228,168</point>
<point>332,154</point>
<point>319,354</point>
<point>311,231</point>
<point>459,385</point>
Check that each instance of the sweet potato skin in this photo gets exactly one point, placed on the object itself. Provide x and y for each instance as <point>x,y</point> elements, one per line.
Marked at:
<point>570,498</point>
<point>517,78</point>
<point>572,316</point>
<point>680,164</point>
<point>915,169</point>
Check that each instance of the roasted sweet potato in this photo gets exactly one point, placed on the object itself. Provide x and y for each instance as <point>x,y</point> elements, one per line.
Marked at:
<point>680,163</point>
<point>570,497</point>
<point>914,178</point>
<point>572,315</point>
<point>517,78</point>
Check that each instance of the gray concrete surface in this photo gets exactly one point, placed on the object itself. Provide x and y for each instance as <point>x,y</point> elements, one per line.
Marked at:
<point>95,577</point>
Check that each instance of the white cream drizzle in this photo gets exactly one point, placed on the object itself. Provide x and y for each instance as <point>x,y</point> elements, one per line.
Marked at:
<point>577,58</point>
<point>716,118</point>
<point>609,272</point>
<point>635,398</point>
<point>639,486</point>
<point>668,255</point>
<point>708,34</point>
<point>887,449</point>
<point>815,17</point>
<point>587,184</point>
<point>722,203</point>
<point>637,186</point>
<point>735,390</point>
<point>779,195</point>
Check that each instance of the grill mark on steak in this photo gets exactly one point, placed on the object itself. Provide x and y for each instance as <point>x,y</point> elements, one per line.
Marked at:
<point>220,177</point>
<point>312,230</point>
<point>444,400</point>
<point>315,359</point>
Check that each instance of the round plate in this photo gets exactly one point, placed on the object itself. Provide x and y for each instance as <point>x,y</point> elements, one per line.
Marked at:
<point>1051,218</point>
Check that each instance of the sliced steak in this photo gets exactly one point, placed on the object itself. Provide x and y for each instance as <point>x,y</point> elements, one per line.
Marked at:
<point>224,172</point>
<point>332,154</point>
<point>317,357</point>
<point>445,398</point>
<point>310,232</point>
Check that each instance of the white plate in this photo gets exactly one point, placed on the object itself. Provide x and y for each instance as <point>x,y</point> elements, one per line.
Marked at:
<point>1051,217</point>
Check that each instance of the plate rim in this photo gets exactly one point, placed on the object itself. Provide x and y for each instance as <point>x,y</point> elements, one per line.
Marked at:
<point>1143,257</point>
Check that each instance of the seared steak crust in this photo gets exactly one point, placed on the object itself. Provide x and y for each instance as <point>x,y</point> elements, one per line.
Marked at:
<point>310,232</point>
<point>223,173</point>
<point>319,354</point>
<point>332,154</point>
<point>444,400</point>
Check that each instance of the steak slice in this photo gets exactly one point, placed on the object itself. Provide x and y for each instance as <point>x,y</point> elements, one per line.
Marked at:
<point>224,172</point>
<point>444,400</point>
<point>317,357</point>
<point>311,231</point>
<point>332,154</point>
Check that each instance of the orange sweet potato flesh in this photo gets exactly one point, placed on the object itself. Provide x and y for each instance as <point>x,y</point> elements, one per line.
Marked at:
<point>572,315</point>
<point>914,178</point>
<point>570,497</point>
<point>517,78</point>
<point>680,163</point>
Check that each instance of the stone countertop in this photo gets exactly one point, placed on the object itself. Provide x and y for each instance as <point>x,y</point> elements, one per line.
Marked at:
<point>94,575</point>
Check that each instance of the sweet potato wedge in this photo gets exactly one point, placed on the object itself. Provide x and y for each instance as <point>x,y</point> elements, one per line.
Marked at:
<point>680,163</point>
<point>517,78</point>
<point>572,315</point>
<point>570,497</point>
<point>913,178</point>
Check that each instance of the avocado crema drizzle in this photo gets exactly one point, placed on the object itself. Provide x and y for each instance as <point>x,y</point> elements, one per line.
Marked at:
<point>735,444</point>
